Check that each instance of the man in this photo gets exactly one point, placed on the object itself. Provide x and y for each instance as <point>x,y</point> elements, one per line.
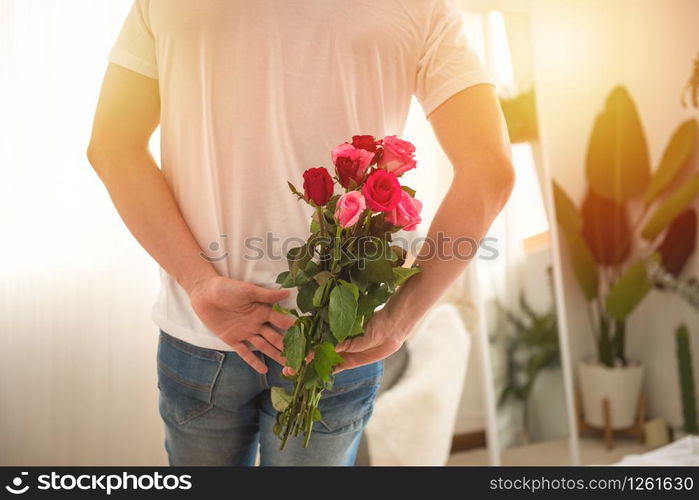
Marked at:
<point>248,94</point>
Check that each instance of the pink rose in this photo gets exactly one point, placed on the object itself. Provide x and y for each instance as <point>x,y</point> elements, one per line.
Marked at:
<point>397,155</point>
<point>349,208</point>
<point>406,215</point>
<point>351,163</point>
<point>382,191</point>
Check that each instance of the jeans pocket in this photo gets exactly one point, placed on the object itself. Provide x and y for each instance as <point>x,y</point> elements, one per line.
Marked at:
<point>349,404</point>
<point>187,375</point>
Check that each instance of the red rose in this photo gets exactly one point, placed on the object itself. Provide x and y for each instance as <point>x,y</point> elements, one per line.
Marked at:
<point>317,185</point>
<point>382,191</point>
<point>350,163</point>
<point>365,142</point>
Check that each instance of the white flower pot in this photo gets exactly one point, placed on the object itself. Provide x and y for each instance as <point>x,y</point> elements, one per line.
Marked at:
<point>620,385</point>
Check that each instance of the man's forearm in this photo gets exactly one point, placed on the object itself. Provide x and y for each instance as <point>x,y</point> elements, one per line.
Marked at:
<point>461,222</point>
<point>146,204</point>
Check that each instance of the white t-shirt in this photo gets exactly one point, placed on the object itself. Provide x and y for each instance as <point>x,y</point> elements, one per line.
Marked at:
<point>253,92</point>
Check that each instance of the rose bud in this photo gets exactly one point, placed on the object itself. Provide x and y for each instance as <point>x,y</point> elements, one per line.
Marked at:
<point>397,155</point>
<point>349,208</point>
<point>406,215</point>
<point>317,185</point>
<point>366,142</point>
<point>350,163</point>
<point>382,191</point>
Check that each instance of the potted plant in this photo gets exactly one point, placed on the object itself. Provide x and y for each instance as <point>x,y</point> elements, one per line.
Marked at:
<point>630,220</point>
<point>531,352</point>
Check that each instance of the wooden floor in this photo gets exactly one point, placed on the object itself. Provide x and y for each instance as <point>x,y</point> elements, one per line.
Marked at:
<point>592,452</point>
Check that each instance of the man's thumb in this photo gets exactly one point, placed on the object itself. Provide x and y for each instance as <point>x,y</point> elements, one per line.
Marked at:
<point>269,295</point>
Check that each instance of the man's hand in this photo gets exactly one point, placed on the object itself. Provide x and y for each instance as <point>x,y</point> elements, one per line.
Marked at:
<point>471,129</point>
<point>381,339</point>
<point>240,312</point>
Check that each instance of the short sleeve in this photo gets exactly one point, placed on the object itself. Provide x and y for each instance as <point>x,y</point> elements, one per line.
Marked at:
<point>447,64</point>
<point>134,48</point>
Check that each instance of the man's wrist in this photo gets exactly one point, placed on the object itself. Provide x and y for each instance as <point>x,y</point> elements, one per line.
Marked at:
<point>191,282</point>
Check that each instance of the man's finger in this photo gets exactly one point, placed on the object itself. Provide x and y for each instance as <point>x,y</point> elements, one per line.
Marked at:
<point>249,357</point>
<point>356,344</point>
<point>268,295</point>
<point>356,359</point>
<point>267,349</point>
<point>280,320</point>
<point>273,337</point>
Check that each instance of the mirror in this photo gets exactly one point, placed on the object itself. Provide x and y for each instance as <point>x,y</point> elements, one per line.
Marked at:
<point>525,393</point>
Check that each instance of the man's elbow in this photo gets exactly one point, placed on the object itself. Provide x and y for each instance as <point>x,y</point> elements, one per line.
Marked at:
<point>97,155</point>
<point>504,178</point>
<point>493,179</point>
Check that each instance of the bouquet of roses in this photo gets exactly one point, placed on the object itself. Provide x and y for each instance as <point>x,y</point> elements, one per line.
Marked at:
<point>347,268</point>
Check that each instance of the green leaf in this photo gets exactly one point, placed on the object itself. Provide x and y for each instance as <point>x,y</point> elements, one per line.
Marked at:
<point>629,290</point>
<point>285,279</point>
<point>671,208</point>
<point>294,347</point>
<point>304,300</point>
<point>325,359</point>
<point>294,190</point>
<point>679,242</point>
<point>676,154</point>
<point>280,398</point>
<point>400,274</point>
<point>298,258</point>
<point>375,262</point>
<point>318,295</point>
<point>323,277</point>
<point>566,213</point>
<point>315,415</point>
<point>357,327</point>
<point>352,287</point>
<point>584,266</point>
<point>342,311</point>
<point>278,308</point>
<point>372,299</point>
<point>606,229</point>
<point>409,190</point>
<point>617,165</point>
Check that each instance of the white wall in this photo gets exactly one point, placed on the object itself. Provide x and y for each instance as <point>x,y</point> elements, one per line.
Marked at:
<point>583,49</point>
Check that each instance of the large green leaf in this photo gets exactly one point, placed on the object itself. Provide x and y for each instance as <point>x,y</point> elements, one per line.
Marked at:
<point>566,213</point>
<point>342,310</point>
<point>606,229</point>
<point>294,347</point>
<point>676,154</point>
<point>617,164</point>
<point>679,242</point>
<point>584,266</point>
<point>325,359</point>
<point>401,274</point>
<point>629,290</point>
<point>673,206</point>
<point>280,398</point>
<point>304,299</point>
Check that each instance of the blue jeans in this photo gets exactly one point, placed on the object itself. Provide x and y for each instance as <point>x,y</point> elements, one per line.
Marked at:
<point>217,410</point>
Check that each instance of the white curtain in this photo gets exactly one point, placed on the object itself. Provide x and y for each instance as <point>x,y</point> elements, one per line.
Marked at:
<point>77,347</point>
